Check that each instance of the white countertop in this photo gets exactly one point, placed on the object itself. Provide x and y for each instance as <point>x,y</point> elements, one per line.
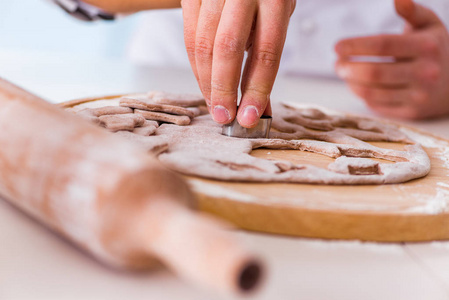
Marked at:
<point>36,264</point>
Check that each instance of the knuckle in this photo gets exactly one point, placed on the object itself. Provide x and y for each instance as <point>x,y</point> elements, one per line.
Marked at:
<point>190,47</point>
<point>222,89</point>
<point>229,46</point>
<point>259,91</point>
<point>383,46</point>
<point>278,3</point>
<point>420,97</point>
<point>268,56</point>
<point>430,72</point>
<point>413,113</point>
<point>365,93</point>
<point>204,48</point>
<point>287,5</point>
<point>433,72</point>
<point>348,46</point>
<point>206,90</point>
<point>374,74</point>
<point>430,46</point>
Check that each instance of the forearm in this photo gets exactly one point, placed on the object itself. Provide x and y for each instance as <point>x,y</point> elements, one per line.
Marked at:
<point>128,6</point>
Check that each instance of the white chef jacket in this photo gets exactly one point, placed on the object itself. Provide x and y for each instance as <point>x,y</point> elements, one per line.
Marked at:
<point>315,27</point>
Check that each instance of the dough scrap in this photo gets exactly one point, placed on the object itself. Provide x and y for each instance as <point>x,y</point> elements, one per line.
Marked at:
<point>183,100</point>
<point>106,110</point>
<point>121,122</point>
<point>148,128</point>
<point>93,114</point>
<point>163,117</point>
<point>199,148</point>
<point>149,106</point>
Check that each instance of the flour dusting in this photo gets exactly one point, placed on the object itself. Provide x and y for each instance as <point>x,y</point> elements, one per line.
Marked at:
<point>192,150</point>
<point>215,191</point>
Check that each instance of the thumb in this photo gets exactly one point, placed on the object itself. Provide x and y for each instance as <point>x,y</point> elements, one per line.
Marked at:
<point>416,15</point>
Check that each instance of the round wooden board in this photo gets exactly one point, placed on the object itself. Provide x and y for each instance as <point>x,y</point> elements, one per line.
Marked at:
<point>412,211</point>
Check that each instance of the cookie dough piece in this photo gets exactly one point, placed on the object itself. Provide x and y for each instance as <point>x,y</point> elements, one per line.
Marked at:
<point>106,110</point>
<point>192,150</point>
<point>154,145</point>
<point>79,105</point>
<point>294,123</point>
<point>163,117</point>
<point>155,107</point>
<point>355,166</point>
<point>184,100</point>
<point>198,111</point>
<point>147,129</point>
<point>121,122</point>
<point>93,114</point>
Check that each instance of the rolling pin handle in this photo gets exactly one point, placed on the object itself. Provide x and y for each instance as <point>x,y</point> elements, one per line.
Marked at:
<point>202,250</point>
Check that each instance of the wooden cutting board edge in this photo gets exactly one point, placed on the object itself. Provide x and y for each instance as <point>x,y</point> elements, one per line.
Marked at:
<point>328,224</point>
<point>320,223</point>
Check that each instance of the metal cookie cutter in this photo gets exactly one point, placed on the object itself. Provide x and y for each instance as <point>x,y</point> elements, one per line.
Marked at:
<point>262,129</point>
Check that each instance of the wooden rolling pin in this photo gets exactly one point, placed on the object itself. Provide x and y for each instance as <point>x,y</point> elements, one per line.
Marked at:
<point>110,198</point>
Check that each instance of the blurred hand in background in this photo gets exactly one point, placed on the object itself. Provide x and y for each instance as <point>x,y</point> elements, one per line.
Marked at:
<point>415,85</point>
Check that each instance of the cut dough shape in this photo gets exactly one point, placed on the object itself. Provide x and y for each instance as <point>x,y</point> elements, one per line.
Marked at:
<point>106,110</point>
<point>164,108</point>
<point>183,100</point>
<point>121,122</point>
<point>163,117</point>
<point>200,149</point>
<point>156,146</point>
<point>148,128</point>
<point>93,114</point>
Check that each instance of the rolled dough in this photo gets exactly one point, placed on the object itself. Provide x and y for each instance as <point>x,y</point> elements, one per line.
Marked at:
<point>199,149</point>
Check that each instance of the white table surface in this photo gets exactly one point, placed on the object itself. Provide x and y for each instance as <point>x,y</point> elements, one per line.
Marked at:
<point>36,264</point>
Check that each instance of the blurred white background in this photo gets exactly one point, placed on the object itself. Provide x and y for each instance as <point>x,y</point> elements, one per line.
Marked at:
<point>37,26</point>
<point>50,53</point>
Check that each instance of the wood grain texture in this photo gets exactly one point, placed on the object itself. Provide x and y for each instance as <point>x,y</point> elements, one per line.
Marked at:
<point>413,211</point>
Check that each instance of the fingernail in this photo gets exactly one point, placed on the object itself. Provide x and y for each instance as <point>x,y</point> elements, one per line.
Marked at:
<point>221,114</point>
<point>250,116</point>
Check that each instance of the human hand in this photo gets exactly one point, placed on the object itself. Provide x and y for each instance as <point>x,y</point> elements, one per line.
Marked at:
<point>217,33</point>
<point>416,84</point>
<point>132,6</point>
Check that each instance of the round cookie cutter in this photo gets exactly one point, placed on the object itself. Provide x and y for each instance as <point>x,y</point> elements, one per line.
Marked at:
<point>262,129</point>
